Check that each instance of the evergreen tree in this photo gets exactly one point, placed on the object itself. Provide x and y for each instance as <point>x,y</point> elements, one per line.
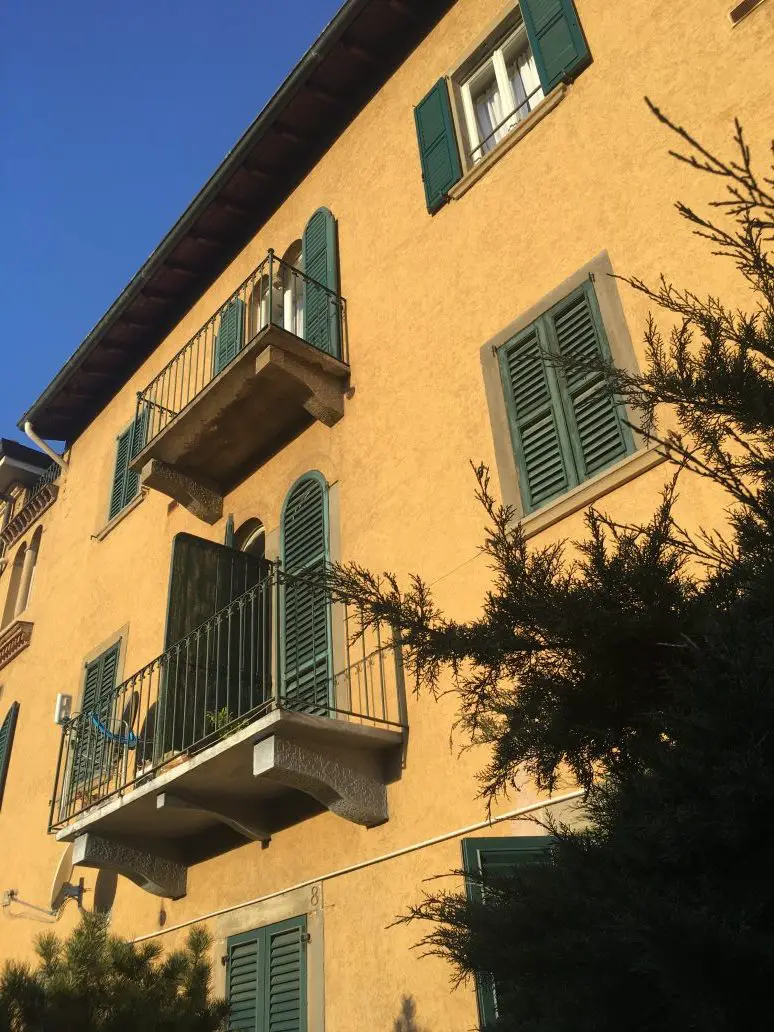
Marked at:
<point>97,982</point>
<point>641,660</point>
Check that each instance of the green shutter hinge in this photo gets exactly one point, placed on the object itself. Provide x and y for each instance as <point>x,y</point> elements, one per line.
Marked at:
<point>306,937</point>
<point>592,277</point>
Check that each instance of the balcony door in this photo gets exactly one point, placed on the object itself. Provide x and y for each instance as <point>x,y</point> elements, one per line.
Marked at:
<point>217,661</point>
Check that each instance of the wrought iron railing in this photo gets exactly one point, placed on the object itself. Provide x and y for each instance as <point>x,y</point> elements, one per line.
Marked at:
<point>23,510</point>
<point>274,294</point>
<point>280,645</point>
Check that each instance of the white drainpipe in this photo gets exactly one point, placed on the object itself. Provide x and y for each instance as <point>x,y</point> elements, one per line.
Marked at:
<point>44,447</point>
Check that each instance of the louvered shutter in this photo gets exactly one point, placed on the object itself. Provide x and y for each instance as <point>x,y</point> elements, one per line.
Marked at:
<point>539,436</point>
<point>305,625</point>
<point>98,701</point>
<point>285,976</point>
<point>230,335</point>
<point>7,729</point>
<point>139,430</point>
<point>244,982</point>
<point>599,435</point>
<point>438,152</point>
<point>321,311</point>
<point>556,39</point>
<point>490,860</point>
<point>123,450</point>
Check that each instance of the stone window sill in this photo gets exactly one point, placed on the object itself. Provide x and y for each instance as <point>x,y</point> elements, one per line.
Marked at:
<point>112,524</point>
<point>480,169</point>
<point>14,639</point>
<point>590,490</point>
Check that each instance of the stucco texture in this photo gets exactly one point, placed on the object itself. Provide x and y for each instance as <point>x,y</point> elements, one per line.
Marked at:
<point>424,293</point>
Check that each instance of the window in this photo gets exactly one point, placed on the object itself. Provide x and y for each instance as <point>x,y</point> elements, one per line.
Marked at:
<point>266,978</point>
<point>293,289</point>
<point>7,729</point>
<point>488,861</point>
<point>22,577</point>
<point>126,483</point>
<point>501,91</point>
<point>539,45</point>
<point>565,425</point>
<point>306,632</point>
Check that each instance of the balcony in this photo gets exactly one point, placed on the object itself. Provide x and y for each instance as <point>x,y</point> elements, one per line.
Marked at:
<point>271,361</point>
<point>40,495</point>
<point>239,730</point>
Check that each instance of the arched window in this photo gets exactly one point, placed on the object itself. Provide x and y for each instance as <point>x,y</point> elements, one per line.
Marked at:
<point>22,577</point>
<point>251,538</point>
<point>306,635</point>
<point>293,289</point>
<point>258,317</point>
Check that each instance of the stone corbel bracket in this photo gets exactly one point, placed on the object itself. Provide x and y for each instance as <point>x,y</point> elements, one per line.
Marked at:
<point>204,500</point>
<point>325,397</point>
<point>347,783</point>
<point>14,639</point>
<point>155,874</point>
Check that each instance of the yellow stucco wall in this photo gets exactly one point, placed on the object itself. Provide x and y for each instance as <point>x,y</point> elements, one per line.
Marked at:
<point>423,295</point>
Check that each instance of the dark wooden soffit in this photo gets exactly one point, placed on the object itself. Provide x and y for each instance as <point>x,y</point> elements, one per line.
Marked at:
<point>357,52</point>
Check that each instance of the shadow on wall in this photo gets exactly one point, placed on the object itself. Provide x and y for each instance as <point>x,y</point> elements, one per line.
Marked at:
<point>407,1019</point>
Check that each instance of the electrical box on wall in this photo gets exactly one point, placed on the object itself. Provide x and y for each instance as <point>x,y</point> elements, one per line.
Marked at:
<point>63,708</point>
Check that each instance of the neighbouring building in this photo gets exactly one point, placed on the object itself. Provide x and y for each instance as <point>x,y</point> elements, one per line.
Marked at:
<point>467,176</point>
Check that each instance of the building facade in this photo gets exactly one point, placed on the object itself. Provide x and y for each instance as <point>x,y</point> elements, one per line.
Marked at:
<point>353,306</point>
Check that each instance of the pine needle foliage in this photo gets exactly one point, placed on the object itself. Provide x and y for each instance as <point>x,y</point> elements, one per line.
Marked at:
<point>93,981</point>
<point>639,659</point>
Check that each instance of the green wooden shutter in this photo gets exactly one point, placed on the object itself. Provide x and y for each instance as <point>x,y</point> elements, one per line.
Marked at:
<point>98,700</point>
<point>305,623</point>
<point>489,860</point>
<point>126,483</point>
<point>322,322</point>
<point>228,666</point>
<point>285,976</point>
<point>123,449</point>
<point>438,152</point>
<point>599,435</point>
<point>557,40</point>
<point>540,439</point>
<point>7,730</point>
<point>230,335</point>
<point>244,982</point>
<point>266,983</point>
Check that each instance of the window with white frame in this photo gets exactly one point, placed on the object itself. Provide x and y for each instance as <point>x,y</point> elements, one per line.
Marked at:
<point>501,91</point>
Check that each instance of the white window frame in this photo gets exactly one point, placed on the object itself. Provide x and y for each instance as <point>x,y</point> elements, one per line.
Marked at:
<point>515,40</point>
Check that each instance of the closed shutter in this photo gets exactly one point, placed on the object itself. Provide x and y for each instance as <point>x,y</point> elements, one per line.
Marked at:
<point>244,983</point>
<point>322,322</point>
<point>490,860</point>
<point>540,439</point>
<point>228,340</point>
<point>126,483</point>
<point>598,433</point>
<point>97,703</point>
<point>438,152</point>
<point>123,449</point>
<point>7,729</point>
<point>556,39</point>
<point>267,983</point>
<point>228,666</point>
<point>305,625</point>
<point>285,976</point>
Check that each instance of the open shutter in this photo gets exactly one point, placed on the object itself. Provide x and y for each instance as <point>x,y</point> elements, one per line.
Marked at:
<point>322,323</point>
<point>438,152</point>
<point>228,340</point>
<point>97,702</point>
<point>539,438</point>
<point>556,38</point>
<point>139,430</point>
<point>243,983</point>
<point>489,860</point>
<point>117,492</point>
<point>7,729</point>
<point>598,433</point>
<point>285,976</point>
<point>224,671</point>
<point>305,625</point>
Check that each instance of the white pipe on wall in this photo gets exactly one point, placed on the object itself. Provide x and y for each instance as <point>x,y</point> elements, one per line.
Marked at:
<point>44,447</point>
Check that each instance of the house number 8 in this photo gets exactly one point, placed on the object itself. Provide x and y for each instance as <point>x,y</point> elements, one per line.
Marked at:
<point>315,897</point>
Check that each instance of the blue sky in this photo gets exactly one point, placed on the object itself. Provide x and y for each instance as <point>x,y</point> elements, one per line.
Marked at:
<point>112,115</point>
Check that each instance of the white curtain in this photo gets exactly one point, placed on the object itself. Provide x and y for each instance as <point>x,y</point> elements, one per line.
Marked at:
<point>490,113</point>
<point>525,80</point>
